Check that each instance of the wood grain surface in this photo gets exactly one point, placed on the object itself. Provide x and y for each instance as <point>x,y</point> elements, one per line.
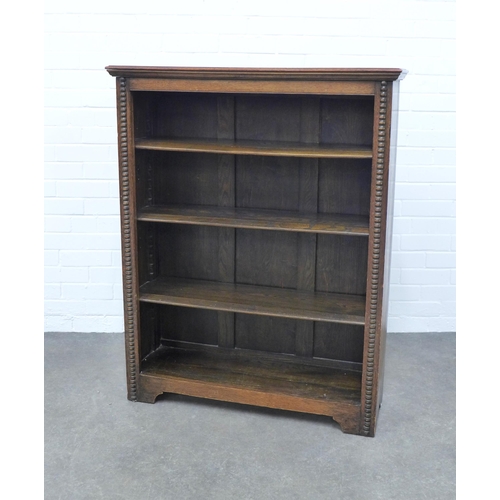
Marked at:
<point>252,299</point>
<point>248,147</point>
<point>257,219</point>
<point>255,239</point>
<point>260,373</point>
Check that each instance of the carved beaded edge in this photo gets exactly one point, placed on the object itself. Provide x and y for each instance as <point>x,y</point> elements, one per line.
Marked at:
<point>127,249</point>
<point>374,280</point>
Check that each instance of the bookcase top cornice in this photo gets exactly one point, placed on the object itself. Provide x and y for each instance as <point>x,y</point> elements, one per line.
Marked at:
<point>314,74</point>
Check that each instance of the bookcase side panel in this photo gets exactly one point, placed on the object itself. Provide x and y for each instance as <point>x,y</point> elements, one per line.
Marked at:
<point>393,109</point>
<point>371,380</point>
<point>128,231</point>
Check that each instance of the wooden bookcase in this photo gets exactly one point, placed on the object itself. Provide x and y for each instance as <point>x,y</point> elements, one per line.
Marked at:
<point>256,230</point>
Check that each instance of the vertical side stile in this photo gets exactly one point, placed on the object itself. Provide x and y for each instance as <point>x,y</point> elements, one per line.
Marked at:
<point>376,249</point>
<point>128,231</point>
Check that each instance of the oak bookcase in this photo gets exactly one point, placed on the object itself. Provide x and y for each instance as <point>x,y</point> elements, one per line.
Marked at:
<point>256,228</point>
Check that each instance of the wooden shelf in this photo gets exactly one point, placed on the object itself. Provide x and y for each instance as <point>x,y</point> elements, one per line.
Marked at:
<point>257,219</point>
<point>234,374</point>
<point>250,299</point>
<point>262,148</point>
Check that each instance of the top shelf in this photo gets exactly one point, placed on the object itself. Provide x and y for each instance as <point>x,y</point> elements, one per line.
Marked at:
<point>262,148</point>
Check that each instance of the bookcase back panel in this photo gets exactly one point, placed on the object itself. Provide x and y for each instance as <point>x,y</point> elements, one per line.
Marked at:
<point>344,186</point>
<point>266,258</point>
<point>189,324</point>
<point>338,341</point>
<point>347,120</point>
<point>187,179</point>
<point>261,257</point>
<point>164,322</point>
<point>186,251</point>
<point>147,239</point>
<point>287,118</point>
<point>341,264</point>
<point>270,182</point>
<point>265,333</point>
<point>171,178</point>
<point>332,341</point>
<point>267,117</point>
<point>177,115</point>
<point>334,120</point>
<point>150,328</point>
<point>267,182</point>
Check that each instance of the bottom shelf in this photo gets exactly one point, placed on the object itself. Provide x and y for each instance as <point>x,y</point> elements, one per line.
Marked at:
<point>283,382</point>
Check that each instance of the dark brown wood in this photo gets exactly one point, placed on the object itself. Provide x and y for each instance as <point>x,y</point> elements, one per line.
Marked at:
<point>226,329</point>
<point>182,178</point>
<point>182,324</point>
<point>266,333</point>
<point>270,183</point>
<point>251,379</point>
<point>347,121</point>
<point>130,273</point>
<point>258,74</point>
<point>306,279</point>
<point>379,243</point>
<point>149,340</point>
<point>246,147</point>
<point>278,374</point>
<point>252,299</point>
<point>227,235</point>
<point>256,207</point>
<point>310,111</point>
<point>344,186</point>
<point>189,251</point>
<point>267,182</point>
<point>341,264</point>
<point>390,160</point>
<point>252,87</point>
<point>341,342</point>
<point>271,354</point>
<point>180,115</point>
<point>257,219</point>
<point>342,81</point>
<point>267,258</point>
<point>304,340</point>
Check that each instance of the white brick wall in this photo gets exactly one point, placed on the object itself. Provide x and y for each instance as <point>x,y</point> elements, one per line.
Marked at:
<point>82,274</point>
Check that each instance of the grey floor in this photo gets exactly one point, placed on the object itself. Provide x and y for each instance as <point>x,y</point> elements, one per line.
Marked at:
<point>101,446</point>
